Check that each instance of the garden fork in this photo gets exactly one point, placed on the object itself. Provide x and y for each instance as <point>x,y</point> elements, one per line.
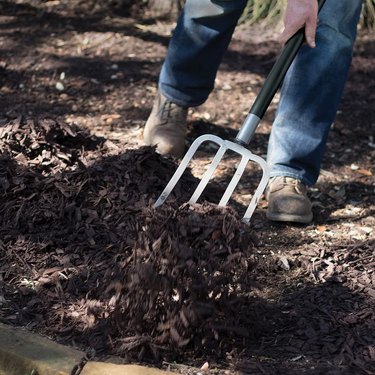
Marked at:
<point>244,136</point>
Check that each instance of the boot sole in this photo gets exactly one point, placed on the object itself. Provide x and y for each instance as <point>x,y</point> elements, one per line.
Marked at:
<point>289,218</point>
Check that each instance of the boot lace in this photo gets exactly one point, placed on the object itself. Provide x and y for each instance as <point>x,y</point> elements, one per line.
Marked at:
<point>169,110</point>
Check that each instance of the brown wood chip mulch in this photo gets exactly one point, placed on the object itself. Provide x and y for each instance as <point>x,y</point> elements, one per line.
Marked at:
<point>86,259</point>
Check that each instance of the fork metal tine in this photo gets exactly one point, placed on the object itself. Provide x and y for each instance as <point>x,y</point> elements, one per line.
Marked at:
<point>260,189</point>
<point>208,174</point>
<point>234,181</point>
<point>183,165</point>
<point>246,156</point>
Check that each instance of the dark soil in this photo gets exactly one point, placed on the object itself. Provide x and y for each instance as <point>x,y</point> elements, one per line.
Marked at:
<point>87,260</point>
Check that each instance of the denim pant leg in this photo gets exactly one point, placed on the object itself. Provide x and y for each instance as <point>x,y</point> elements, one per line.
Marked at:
<point>196,49</point>
<point>311,93</point>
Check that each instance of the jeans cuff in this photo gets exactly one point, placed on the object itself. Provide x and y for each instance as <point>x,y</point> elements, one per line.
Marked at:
<point>180,102</point>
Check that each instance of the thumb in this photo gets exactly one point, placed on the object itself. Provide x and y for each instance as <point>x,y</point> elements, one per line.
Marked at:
<point>310,32</point>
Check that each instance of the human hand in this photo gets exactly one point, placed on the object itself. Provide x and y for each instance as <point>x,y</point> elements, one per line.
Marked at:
<point>298,14</point>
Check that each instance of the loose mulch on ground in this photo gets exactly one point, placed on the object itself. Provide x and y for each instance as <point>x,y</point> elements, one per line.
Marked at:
<point>116,274</point>
<point>87,260</point>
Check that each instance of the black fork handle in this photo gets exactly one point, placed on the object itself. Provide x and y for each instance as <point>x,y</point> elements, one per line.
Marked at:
<point>278,72</point>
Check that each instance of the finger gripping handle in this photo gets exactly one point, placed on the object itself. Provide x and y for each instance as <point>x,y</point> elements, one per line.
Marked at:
<point>278,72</point>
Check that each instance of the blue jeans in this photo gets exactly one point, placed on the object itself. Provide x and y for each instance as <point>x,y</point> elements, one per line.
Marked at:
<point>311,90</point>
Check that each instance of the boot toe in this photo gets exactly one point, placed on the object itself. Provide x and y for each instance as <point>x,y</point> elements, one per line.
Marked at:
<point>288,201</point>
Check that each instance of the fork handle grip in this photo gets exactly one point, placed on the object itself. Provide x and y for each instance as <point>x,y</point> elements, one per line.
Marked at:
<point>278,72</point>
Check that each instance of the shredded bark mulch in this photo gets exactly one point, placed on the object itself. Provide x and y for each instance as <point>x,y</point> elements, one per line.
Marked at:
<point>98,261</point>
<point>88,260</point>
<point>85,258</point>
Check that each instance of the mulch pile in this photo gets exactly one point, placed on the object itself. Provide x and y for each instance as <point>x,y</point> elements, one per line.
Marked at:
<point>87,260</point>
<point>99,265</point>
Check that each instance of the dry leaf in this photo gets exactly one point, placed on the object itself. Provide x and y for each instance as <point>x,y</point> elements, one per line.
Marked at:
<point>205,366</point>
<point>365,172</point>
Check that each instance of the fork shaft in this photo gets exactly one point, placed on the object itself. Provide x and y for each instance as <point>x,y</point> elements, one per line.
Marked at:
<point>277,74</point>
<point>272,83</point>
<point>248,129</point>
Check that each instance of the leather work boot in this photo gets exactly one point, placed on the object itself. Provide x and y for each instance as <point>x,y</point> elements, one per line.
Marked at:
<point>288,201</point>
<point>166,127</point>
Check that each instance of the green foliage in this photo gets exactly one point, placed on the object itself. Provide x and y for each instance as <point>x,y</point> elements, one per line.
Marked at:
<point>258,10</point>
<point>368,15</point>
<point>271,11</point>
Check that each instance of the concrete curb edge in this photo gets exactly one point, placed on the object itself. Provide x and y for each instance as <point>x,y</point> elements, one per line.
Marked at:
<point>26,353</point>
